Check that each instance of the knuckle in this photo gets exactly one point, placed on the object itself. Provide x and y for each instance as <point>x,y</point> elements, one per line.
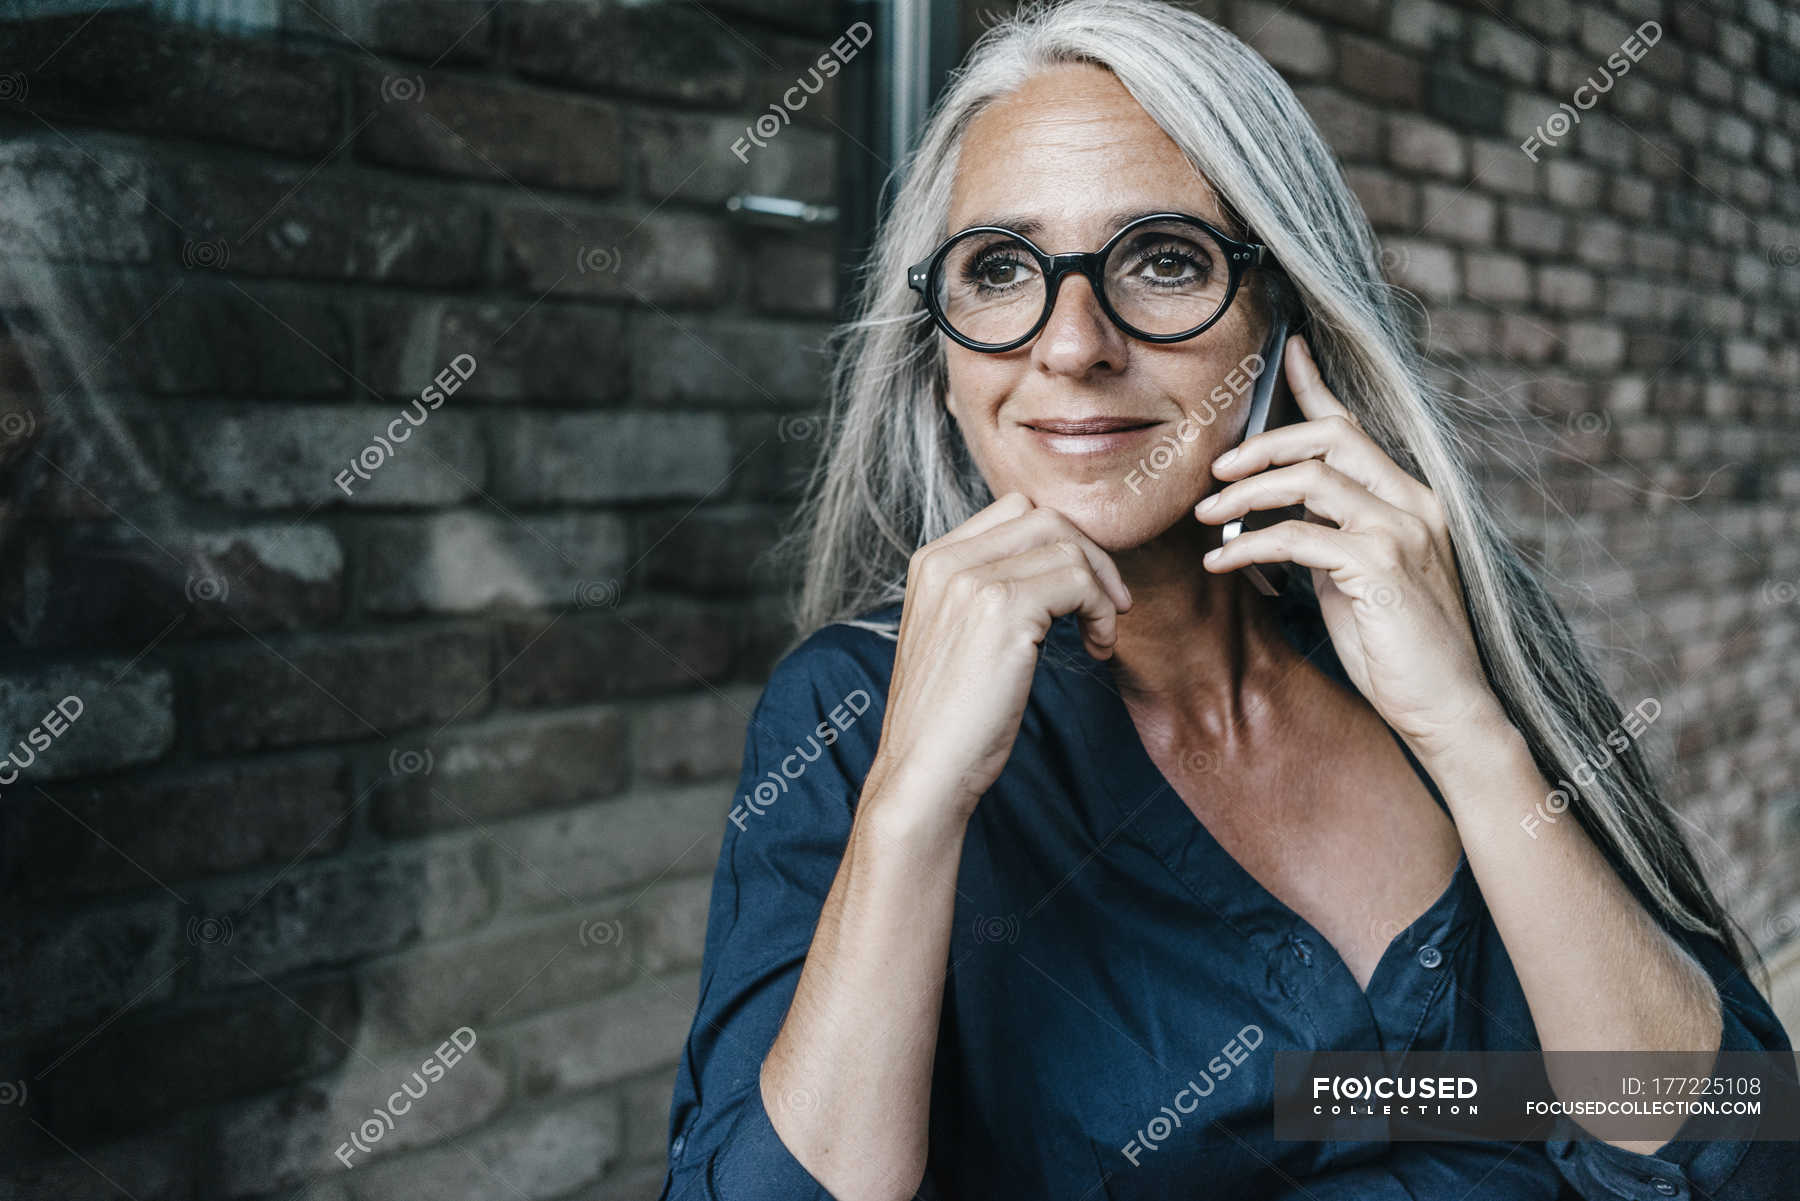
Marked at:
<point>995,594</point>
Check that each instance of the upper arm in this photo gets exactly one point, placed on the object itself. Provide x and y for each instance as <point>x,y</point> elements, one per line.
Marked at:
<point>807,748</point>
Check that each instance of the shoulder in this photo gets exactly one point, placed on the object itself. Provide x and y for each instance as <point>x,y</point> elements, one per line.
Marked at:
<point>834,663</point>
<point>817,728</point>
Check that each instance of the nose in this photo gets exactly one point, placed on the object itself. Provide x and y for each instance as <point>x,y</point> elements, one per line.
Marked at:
<point>1078,338</point>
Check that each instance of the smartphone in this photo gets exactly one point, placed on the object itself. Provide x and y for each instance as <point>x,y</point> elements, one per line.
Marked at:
<point>1271,405</point>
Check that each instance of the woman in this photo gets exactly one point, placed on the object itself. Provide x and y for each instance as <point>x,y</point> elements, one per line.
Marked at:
<point>1053,815</point>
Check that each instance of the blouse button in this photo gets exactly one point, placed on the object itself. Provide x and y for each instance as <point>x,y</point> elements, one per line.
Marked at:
<point>677,1146</point>
<point>1666,1188</point>
<point>1430,956</point>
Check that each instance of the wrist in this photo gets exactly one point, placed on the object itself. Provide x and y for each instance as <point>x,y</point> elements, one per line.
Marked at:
<point>1481,743</point>
<point>911,805</point>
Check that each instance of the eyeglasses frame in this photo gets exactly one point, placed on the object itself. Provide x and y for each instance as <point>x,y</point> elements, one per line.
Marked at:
<point>1240,256</point>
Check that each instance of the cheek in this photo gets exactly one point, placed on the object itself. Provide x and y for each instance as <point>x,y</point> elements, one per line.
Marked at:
<point>1222,414</point>
<point>1213,391</point>
<point>975,386</point>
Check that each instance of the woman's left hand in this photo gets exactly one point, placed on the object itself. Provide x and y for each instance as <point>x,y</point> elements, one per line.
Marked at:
<point>1384,572</point>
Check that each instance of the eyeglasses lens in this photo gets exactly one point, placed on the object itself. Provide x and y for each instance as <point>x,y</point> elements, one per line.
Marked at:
<point>1162,279</point>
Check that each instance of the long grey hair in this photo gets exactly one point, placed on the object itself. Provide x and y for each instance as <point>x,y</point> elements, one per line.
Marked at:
<point>894,473</point>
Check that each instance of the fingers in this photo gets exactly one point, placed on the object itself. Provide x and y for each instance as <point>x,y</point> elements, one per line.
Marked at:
<point>1307,385</point>
<point>1052,579</point>
<point>1016,553</point>
<point>1022,529</point>
<point>1330,433</point>
<point>1298,542</point>
<point>1322,488</point>
<point>1337,441</point>
<point>1008,507</point>
<point>1364,567</point>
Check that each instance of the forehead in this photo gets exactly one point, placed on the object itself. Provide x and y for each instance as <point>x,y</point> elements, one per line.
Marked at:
<point>1068,153</point>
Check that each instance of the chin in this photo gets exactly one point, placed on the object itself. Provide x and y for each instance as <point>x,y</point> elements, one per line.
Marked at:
<point>1113,516</point>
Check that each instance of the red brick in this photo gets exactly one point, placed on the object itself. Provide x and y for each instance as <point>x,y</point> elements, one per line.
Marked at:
<point>1294,45</point>
<point>1377,70</point>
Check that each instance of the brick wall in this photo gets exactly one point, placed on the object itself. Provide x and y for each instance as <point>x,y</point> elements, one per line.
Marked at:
<point>355,770</point>
<point>451,750</point>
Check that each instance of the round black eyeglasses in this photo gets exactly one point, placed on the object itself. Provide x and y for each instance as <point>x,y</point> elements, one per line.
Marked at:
<point>1163,277</point>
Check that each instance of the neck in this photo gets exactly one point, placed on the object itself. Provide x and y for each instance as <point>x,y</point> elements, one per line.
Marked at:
<point>1207,647</point>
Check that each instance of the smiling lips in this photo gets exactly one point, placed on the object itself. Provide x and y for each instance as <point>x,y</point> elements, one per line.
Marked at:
<point>1089,435</point>
<point>1088,425</point>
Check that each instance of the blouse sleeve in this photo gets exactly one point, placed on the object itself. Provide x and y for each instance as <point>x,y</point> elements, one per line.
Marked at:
<point>1716,1170</point>
<point>810,742</point>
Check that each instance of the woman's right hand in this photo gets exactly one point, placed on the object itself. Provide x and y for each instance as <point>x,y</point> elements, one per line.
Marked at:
<point>979,601</point>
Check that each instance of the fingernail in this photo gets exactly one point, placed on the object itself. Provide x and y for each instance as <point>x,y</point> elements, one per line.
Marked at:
<point>1226,459</point>
<point>1212,554</point>
<point>1207,504</point>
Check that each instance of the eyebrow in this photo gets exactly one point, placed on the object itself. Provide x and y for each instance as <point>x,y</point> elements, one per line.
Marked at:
<point>1020,223</point>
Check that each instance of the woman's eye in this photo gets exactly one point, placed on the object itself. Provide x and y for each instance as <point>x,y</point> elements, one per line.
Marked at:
<point>999,271</point>
<point>1171,266</point>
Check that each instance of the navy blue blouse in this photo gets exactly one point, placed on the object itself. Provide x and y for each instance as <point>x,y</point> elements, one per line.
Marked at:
<point>1106,951</point>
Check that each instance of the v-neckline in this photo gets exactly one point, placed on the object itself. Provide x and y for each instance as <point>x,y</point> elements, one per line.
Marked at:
<point>1148,805</point>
